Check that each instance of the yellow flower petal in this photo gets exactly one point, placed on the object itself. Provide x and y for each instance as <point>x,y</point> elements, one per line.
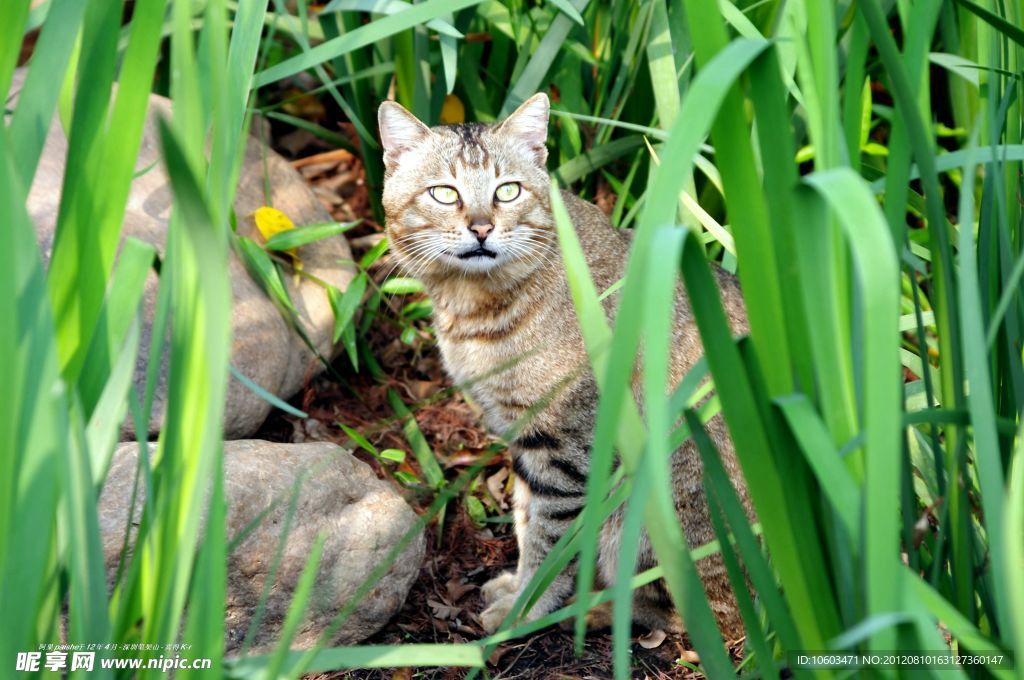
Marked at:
<point>452,111</point>
<point>271,221</point>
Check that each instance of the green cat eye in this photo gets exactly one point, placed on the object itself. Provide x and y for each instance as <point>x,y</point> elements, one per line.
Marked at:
<point>508,191</point>
<point>444,194</point>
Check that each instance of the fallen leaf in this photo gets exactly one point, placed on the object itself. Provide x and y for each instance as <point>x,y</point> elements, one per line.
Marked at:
<point>497,486</point>
<point>457,589</point>
<point>653,639</point>
<point>443,611</point>
<point>501,651</point>
<point>690,656</point>
<point>421,389</point>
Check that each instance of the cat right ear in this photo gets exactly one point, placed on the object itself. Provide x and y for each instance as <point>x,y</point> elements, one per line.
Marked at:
<point>399,130</point>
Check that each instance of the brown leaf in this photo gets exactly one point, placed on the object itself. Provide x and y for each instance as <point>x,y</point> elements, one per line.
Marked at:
<point>421,389</point>
<point>497,486</point>
<point>501,651</point>
<point>443,611</point>
<point>457,589</point>
<point>653,639</point>
<point>690,656</point>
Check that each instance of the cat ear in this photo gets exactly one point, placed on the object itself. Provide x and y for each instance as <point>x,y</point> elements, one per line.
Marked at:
<point>529,124</point>
<point>399,130</point>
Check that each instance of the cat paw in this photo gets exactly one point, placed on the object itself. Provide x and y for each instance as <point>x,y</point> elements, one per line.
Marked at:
<point>499,587</point>
<point>492,617</point>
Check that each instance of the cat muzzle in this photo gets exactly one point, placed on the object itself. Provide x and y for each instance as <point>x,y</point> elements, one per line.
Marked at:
<point>479,251</point>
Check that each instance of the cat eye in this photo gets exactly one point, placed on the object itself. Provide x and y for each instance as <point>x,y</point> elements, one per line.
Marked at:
<point>508,191</point>
<point>444,194</point>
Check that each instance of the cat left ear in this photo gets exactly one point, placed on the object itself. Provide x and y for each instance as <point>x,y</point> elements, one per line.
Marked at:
<point>400,131</point>
<point>529,123</point>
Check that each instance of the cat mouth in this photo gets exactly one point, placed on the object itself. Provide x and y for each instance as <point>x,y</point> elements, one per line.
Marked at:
<point>479,251</point>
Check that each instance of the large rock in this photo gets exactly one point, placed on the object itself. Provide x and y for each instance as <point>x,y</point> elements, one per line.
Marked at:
<point>264,348</point>
<point>363,519</point>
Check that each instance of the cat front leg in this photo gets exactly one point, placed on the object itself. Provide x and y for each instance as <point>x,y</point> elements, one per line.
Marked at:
<point>551,486</point>
<point>507,583</point>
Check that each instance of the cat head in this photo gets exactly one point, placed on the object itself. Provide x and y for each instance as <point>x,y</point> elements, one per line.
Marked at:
<point>468,200</point>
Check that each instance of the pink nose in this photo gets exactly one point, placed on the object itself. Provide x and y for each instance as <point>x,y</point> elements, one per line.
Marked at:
<point>481,230</point>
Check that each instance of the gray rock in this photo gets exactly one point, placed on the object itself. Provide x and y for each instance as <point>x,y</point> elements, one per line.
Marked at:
<point>263,348</point>
<point>363,519</point>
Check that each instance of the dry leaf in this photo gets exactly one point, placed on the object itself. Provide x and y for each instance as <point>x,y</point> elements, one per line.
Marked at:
<point>690,656</point>
<point>653,639</point>
<point>443,611</point>
<point>457,589</point>
<point>501,651</point>
<point>496,485</point>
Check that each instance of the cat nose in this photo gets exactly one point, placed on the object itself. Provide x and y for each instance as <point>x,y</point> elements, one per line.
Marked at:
<point>481,229</point>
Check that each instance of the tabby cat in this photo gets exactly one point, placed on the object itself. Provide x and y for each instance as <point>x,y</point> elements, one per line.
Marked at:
<point>468,213</point>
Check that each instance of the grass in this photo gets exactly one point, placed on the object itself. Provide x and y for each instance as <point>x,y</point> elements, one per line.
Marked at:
<point>858,165</point>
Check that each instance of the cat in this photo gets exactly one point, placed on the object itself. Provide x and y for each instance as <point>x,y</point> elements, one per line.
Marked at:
<point>468,212</point>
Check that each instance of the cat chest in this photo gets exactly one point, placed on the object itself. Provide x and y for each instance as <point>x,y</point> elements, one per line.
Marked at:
<point>507,381</point>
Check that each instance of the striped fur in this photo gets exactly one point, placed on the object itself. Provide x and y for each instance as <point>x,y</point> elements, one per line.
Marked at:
<point>508,334</point>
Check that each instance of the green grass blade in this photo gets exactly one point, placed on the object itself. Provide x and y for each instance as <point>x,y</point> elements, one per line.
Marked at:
<point>297,608</point>
<point>1013,530</point>
<point>50,57</point>
<point>806,590</point>
<point>878,276</point>
<point>823,459</point>
<point>104,428</point>
<point>87,600</point>
<point>372,656</point>
<point>988,462</point>
<point>424,454</point>
<point>191,438</point>
<point>33,427</point>
<point>369,34</point>
<point>749,213</point>
<point>13,15</point>
<point>266,396</point>
<point>662,522</point>
<point>719,488</point>
<point>119,310</point>
<point>961,629</point>
<point>594,158</point>
<point>441,26</point>
<point>300,236</point>
<point>205,624</point>
<point>1014,33</point>
<point>533,76</point>
<point>568,9</point>
<point>345,305</point>
<point>597,335</point>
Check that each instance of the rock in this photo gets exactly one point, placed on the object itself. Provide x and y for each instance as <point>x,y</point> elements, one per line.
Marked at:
<point>362,516</point>
<point>263,348</point>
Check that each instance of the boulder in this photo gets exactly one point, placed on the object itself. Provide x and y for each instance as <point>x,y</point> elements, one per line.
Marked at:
<point>264,348</point>
<point>362,517</point>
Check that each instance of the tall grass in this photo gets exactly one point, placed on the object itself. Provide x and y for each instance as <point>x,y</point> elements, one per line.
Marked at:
<point>858,165</point>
